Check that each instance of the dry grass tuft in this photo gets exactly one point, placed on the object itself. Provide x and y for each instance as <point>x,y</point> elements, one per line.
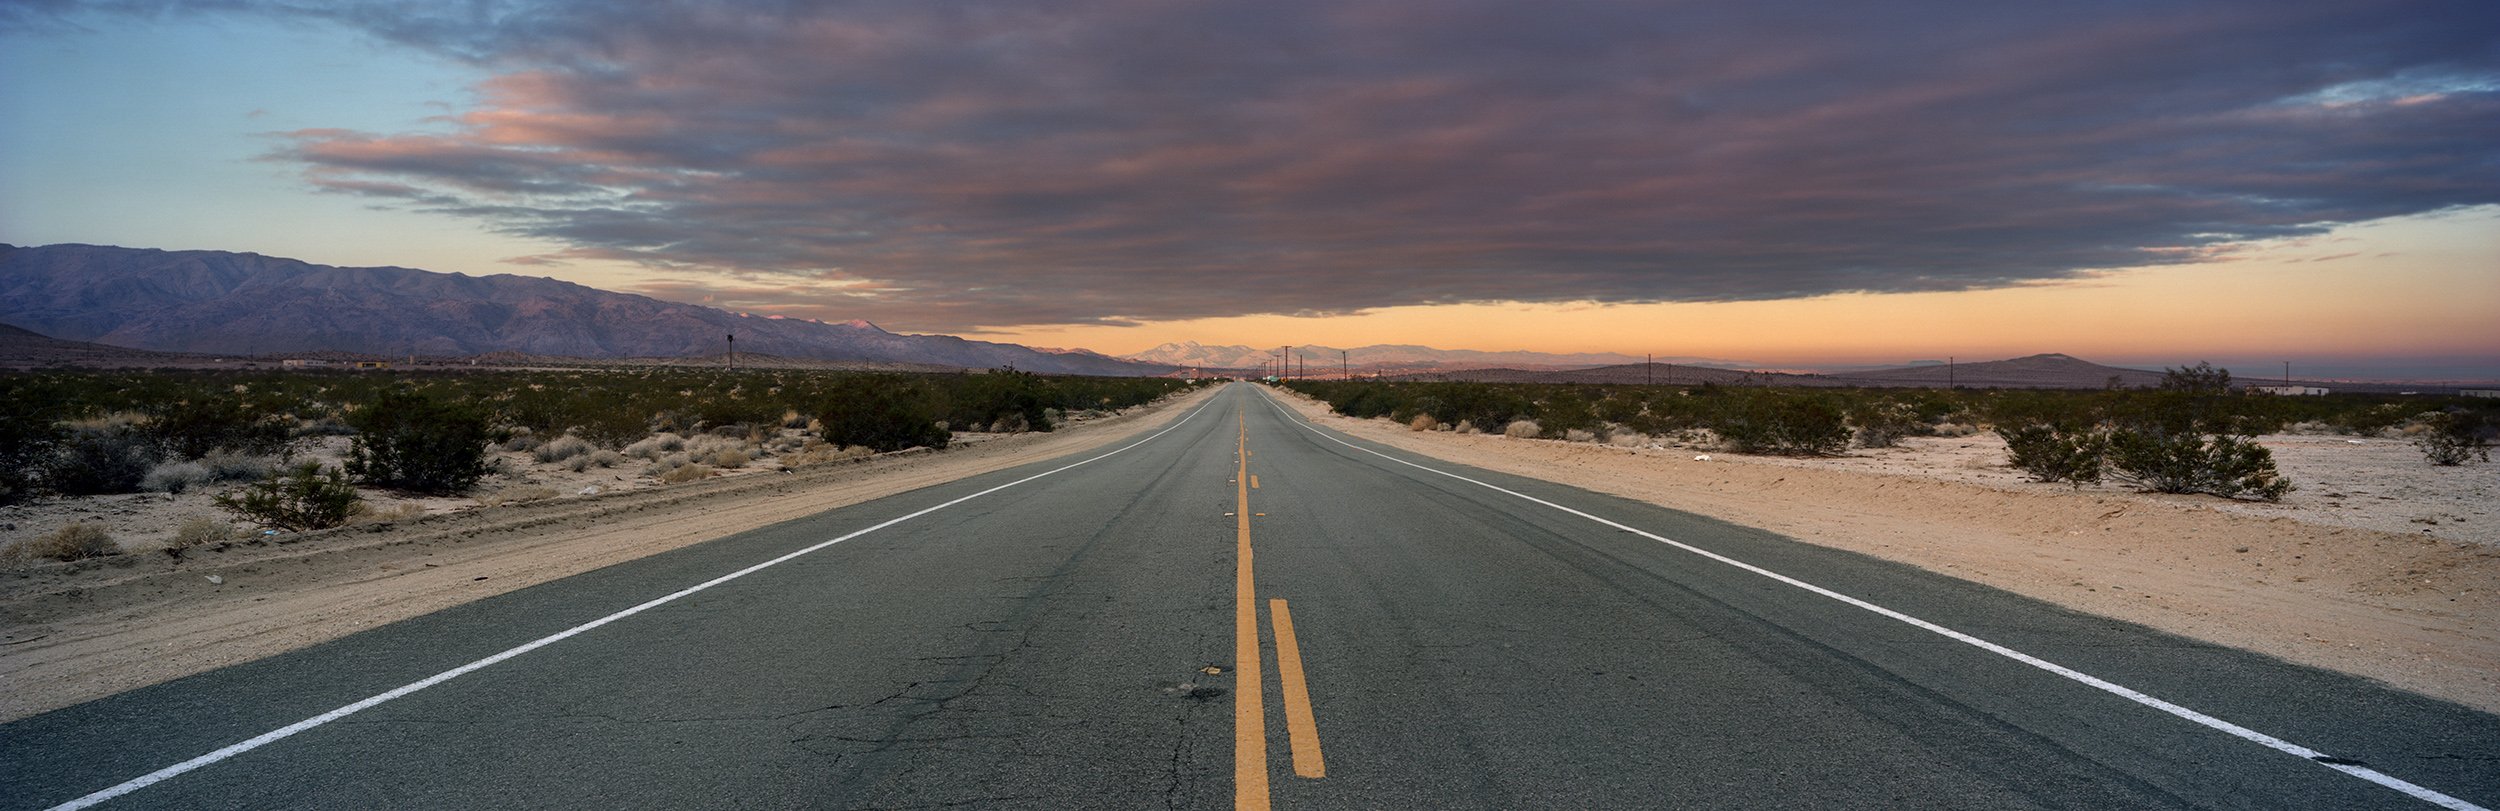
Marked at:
<point>562,448</point>
<point>197,531</point>
<point>1522,429</point>
<point>821,453</point>
<point>686,473</point>
<point>77,541</point>
<point>656,446</point>
<point>1422,422</point>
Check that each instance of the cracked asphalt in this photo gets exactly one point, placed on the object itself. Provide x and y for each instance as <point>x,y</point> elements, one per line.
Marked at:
<point>1067,643</point>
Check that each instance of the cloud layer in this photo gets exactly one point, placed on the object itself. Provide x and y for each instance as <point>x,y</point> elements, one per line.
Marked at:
<point>960,164</point>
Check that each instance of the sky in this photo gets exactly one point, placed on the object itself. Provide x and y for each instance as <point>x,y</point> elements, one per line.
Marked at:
<point>1784,183</point>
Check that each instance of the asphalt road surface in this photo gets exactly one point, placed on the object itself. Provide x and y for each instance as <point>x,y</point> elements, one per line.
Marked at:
<point>1242,610</point>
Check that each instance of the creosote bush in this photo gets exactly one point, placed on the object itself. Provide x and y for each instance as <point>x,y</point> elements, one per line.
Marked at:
<point>2217,464</point>
<point>2453,438</point>
<point>1787,425</point>
<point>886,413</point>
<point>102,459</point>
<point>411,442</point>
<point>2052,453</point>
<point>304,497</point>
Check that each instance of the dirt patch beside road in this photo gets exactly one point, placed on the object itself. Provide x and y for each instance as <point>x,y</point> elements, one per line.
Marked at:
<point>71,633</point>
<point>2309,581</point>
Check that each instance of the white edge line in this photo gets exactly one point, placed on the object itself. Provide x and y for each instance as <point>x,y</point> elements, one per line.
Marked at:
<point>2095,682</point>
<point>272,736</point>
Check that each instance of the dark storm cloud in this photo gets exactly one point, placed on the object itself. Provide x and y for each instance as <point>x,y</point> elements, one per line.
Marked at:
<point>1011,163</point>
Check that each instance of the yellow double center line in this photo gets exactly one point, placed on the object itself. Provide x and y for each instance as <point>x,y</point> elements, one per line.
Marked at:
<point>1250,790</point>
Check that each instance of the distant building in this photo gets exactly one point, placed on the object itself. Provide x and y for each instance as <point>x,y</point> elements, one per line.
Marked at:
<point>373,364</point>
<point>2494,393</point>
<point>302,363</point>
<point>2289,391</point>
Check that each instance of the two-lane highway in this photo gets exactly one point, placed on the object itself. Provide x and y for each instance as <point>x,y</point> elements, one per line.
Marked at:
<point>1239,609</point>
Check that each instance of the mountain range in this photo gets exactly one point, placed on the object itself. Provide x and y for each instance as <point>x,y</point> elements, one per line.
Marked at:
<point>246,303</point>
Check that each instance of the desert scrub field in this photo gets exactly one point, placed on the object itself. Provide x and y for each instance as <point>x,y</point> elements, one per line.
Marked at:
<point>398,438</point>
<point>2192,434</point>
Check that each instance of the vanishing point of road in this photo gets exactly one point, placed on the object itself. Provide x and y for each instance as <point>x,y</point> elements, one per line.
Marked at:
<point>1239,609</point>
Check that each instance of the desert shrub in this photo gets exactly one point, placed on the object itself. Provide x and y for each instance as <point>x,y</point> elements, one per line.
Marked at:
<point>667,463</point>
<point>561,448</point>
<point>728,458</point>
<point>2453,438</point>
<point>1882,423</point>
<point>1783,424</point>
<point>2218,464</point>
<point>175,477</point>
<point>518,494</point>
<point>599,458</point>
<point>823,453</point>
<point>2201,378</point>
<point>656,446</point>
<point>410,442</point>
<point>685,473</point>
<point>1004,400</point>
<point>1579,435</point>
<point>1522,429</point>
<point>884,412</point>
<point>197,531</point>
<point>97,459</point>
<point>607,424</point>
<point>2053,453</point>
<point>305,496</point>
<point>192,429</point>
<point>522,440</point>
<point>28,441</point>
<point>77,541</point>
<point>1422,422</point>
<point>230,466</point>
<point>791,418</point>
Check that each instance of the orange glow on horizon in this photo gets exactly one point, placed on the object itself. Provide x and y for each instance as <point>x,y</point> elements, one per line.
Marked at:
<point>2414,286</point>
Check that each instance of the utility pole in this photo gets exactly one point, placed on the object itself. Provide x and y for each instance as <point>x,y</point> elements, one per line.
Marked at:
<point>2287,374</point>
<point>1345,368</point>
<point>1948,373</point>
<point>1649,370</point>
<point>733,352</point>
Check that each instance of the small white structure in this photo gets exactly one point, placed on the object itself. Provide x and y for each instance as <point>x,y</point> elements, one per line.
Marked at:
<point>302,363</point>
<point>2494,393</point>
<point>2289,391</point>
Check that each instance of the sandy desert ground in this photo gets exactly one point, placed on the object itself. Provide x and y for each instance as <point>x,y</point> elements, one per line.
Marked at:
<point>2380,565</point>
